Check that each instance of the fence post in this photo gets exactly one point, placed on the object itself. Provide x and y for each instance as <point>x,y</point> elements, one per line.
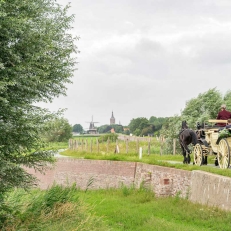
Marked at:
<point>69,143</point>
<point>140,153</point>
<point>126,145</point>
<point>82,144</point>
<point>86,145</point>
<point>97,140</point>
<point>174,146</point>
<point>149,141</point>
<point>137,145</point>
<point>91,146</point>
<point>161,144</point>
<point>107,144</point>
<point>75,145</point>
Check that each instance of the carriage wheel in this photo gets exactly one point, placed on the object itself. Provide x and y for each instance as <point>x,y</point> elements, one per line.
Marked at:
<point>223,154</point>
<point>198,155</point>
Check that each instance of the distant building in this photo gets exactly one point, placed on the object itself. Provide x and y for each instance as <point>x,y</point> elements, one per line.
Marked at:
<point>92,129</point>
<point>112,130</point>
<point>112,119</point>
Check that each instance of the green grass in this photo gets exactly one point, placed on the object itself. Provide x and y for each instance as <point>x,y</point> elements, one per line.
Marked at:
<point>172,161</point>
<point>106,152</point>
<point>129,209</point>
<point>126,208</point>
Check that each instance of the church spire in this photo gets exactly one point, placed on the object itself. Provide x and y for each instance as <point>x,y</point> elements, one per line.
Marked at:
<point>112,119</point>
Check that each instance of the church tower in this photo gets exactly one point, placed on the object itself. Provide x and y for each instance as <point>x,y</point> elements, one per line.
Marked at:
<point>112,120</point>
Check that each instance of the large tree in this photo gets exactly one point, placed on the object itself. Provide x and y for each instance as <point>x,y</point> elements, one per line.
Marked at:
<point>57,130</point>
<point>137,125</point>
<point>202,108</point>
<point>77,128</point>
<point>36,63</point>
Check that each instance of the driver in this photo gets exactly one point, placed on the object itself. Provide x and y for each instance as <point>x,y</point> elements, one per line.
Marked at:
<point>223,115</point>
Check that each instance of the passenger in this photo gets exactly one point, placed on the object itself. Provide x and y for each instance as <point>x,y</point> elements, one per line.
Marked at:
<point>223,115</point>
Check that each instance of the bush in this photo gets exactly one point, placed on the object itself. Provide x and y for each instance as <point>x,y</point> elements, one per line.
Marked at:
<point>112,137</point>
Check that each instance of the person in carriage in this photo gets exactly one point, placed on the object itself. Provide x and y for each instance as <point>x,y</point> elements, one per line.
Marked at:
<point>223,115</point>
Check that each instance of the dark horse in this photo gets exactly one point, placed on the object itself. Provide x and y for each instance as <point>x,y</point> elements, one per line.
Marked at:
<point>186,137</point>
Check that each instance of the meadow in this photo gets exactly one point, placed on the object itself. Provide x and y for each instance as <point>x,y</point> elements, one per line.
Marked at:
<point>126,208</point>
<point>130,209</point>
<point>88,148</point>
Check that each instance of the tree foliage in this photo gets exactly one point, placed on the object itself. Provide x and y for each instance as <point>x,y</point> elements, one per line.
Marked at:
<point>107,128</point>
<point>35,65</point>
<point>200,109</point>
<point>157,123</point>
<point>77,128</point>
<point>57,130</point>
<point>205,106</point>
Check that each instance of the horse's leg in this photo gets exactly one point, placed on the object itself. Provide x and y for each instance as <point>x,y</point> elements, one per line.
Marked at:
<point>216,161</point>
<point>185,160</point>
<point>205,162</point>
<point>186,153</point>
<point>188,158</point>
<point>183,152</point>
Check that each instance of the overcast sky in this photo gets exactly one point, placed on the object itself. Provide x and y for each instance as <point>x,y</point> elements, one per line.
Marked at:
<point>145,58</point>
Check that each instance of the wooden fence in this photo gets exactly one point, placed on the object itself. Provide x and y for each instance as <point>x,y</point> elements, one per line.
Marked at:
<point>119,146</point>
<point>124,144</point>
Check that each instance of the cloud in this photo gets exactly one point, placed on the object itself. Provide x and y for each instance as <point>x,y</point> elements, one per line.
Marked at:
<point>143,59</point>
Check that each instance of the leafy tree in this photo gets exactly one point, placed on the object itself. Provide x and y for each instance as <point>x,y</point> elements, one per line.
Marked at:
<point>118,128</point>
<point>202,108</point>
<point>35,65</point>
<point>77,128</point>
<point>170,131</point>
<point>107,128</point>
<point>104,128</point>
<point>227,100</point>
<point>137,125</point>
<point>57,130</point>
<point>147,130</point>
<point>157,122</point>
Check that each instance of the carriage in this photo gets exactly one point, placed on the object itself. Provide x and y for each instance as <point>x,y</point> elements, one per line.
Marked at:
<point>210,143</point>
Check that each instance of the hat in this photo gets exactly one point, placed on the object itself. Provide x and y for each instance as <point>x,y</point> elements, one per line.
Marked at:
<point>223,106</point>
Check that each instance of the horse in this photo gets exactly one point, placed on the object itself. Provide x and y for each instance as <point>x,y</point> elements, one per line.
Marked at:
<point>186,137</point>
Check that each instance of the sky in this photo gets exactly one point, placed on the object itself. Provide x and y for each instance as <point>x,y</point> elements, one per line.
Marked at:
<point>145,58</point>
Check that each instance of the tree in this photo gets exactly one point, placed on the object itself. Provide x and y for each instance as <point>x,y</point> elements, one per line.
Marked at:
<point>157,122</point>
<point>227,100</point>
<point>77,128</point>
<point>137,125</point>
<point>107,128</point>
<point>104,128</point>
<point>57,130</point>
<point>202,108</point>
<point>35,65</point>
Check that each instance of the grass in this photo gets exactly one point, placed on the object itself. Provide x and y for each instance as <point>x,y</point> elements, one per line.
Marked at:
<point>126,208</point>
<point>129,209</point>
<point>106,152</point>
<point>172,161</point>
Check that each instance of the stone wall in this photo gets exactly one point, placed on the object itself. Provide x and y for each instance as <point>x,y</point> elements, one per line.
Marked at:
<point>93,174</point>
<point>198,186</point>
<point>211,189</point>
<point>162,180</point>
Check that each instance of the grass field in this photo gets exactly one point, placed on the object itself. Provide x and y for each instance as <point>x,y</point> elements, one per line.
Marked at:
<point>107,152</point>
<point>69,209</point>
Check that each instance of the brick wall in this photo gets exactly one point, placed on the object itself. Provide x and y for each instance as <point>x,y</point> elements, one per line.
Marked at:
<point>198,186</point>
<point>93,174</point>
<point>162,180</point>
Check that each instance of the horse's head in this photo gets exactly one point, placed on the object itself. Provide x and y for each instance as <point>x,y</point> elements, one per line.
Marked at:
<point>184,125</point>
